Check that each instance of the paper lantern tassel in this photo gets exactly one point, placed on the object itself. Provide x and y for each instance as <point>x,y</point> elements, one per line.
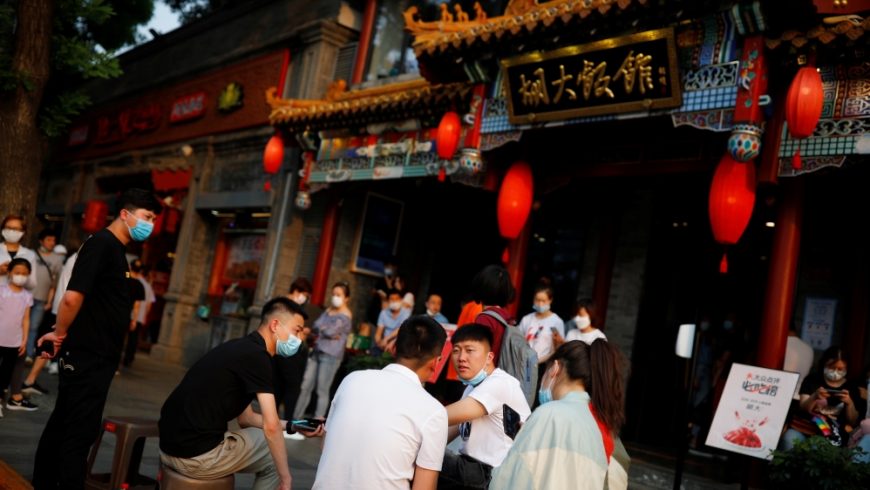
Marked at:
<point>796,162</point>
<point>723,264</point>
<point>506,256</point>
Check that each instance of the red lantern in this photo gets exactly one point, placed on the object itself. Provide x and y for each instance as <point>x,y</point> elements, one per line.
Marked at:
<point>732,198</point>
<point>273,157</point>
<point>95,216</point>
<point>447,137</point>
<point>803,106</point>
<point>515,200</point>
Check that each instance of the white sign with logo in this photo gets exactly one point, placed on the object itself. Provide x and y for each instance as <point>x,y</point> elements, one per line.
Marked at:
<point>818,328</point>
<point>752,410</point>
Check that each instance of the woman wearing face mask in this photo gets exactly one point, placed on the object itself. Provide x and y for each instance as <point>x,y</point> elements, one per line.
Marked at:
<point>826,396</point>
<point>12,230</point>
<point>538,327</point>
<point>332,329</point>
<point>583,320</point>
<point>570,440</point>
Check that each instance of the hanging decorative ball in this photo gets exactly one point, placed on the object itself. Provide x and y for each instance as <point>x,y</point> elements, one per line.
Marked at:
<point>273,156</point>
<point>94,219</point>
<point>303,200</point>
<point>470,161</point>
<point>267,186</point>
<point>515,199</point>
<point>732,198</point>
<point>803,106</point>
<point>744,145</point>
<point>447,137</point>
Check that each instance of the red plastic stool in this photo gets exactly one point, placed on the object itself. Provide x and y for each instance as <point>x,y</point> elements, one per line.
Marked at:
<point>130,434</point>
<point>170,479</point>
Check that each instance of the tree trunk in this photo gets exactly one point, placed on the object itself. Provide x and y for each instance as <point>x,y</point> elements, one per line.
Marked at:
<point>22,146</point>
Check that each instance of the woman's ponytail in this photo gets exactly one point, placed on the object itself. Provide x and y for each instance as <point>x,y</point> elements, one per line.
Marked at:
<point>606,387</point>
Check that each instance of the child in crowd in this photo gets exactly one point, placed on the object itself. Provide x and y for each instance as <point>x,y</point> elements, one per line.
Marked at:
<point>15,303</point>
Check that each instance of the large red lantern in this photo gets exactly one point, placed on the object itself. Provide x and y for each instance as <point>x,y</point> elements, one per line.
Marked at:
<point>447,137</point>
<point>273,156</point>
<point>515,200</point>
<point>732,198</point>
<point>96,212</point>
<point>803,106</point>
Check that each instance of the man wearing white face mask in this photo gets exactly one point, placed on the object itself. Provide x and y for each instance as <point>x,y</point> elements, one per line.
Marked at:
<point>195,439</point>
<point>479,417</point>
<point>390,319</point>
<point>92,321</point>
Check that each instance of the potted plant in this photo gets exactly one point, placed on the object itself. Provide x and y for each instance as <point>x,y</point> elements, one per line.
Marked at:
<point>818,465</point>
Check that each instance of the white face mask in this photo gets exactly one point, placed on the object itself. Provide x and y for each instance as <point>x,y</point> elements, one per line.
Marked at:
<point>582,322</point>
<point>395,305</point>
<point>19,279</point>
<point>300,299</point>
<point>431,312</point>
<point>12,236</point>
<point>337,301</point>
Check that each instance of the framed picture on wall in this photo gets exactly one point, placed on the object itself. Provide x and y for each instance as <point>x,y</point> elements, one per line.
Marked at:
<point>378,234</point>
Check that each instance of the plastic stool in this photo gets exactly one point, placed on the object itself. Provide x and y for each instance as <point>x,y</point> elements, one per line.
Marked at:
<point>172,480</point>
<point>130,434</point>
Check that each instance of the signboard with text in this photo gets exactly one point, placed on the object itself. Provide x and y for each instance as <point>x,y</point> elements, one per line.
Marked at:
<point>625,74</point>
<point>752,410</point>
<point>188,107</point>
<point>818,327</point>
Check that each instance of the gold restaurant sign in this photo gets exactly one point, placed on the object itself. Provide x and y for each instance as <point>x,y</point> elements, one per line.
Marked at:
<point>625,74</point>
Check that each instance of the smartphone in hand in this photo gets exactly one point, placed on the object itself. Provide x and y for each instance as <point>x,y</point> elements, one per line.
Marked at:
<point>307,424</point>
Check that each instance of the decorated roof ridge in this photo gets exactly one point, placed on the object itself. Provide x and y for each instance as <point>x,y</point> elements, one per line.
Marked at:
<point>458,28</point>
<point>371,102</point>
<point>852,26</point>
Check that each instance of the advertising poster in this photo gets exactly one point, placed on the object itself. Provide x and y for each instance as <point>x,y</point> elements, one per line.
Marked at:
<point>752,410</point>
<point>818,328</point>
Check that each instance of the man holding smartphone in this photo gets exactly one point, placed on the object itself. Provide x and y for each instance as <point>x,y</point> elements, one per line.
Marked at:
<point>384,431</point>
<point>195,439</point>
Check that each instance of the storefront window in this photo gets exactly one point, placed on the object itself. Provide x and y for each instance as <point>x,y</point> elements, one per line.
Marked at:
<point>245,253</point>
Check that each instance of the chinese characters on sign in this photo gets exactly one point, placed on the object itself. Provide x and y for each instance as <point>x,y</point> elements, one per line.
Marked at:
<point>636,72</point>
<point>752,410</point>
<point>818,325</point>
<point>188,107</point>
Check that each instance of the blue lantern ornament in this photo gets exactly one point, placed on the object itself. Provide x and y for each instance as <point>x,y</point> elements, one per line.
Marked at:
<point>470,161</point>
<point>745,142</point>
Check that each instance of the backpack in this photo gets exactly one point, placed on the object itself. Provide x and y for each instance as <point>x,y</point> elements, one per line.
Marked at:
<point>517,358</point>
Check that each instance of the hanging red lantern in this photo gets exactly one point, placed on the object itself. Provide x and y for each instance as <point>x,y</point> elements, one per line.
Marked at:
<point>732,198</point>
<point>803,106</point>
<point>447,137</point>
<point>515,200</point>
<point>96,212</point>
<point>273,156</point>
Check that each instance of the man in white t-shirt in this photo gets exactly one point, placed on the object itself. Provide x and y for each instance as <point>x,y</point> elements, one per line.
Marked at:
<point>479,417</point>
<point>384,431</point>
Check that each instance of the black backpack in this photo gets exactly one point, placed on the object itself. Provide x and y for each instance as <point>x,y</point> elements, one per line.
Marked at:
<point>517,358</point>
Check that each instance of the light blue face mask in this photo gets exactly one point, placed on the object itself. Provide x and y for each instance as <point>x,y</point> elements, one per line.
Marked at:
<point>541,308</point>
<point>475,380</point>
<point>545,394</point>
<point>141,231</point>
<point>289,347</point>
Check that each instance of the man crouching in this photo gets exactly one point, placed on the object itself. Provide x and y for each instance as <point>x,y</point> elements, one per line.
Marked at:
<point>195,439</point>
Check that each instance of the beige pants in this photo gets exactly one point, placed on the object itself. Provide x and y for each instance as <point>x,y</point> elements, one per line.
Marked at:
<point>242,451</point>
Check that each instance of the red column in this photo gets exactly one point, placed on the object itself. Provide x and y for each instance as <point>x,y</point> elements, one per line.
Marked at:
<point>325,251</point>
<point>365,41</point>
<point>516,266</point>
<point>782,277</point>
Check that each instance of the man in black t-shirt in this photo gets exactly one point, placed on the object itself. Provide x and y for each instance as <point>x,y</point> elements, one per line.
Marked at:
<point>195,439</point>
<point>92,321</point>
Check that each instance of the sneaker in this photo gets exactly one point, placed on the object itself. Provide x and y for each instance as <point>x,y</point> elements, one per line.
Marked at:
<point>22,404</point>
<point>52,368</point>
<point>294,437</point>
<point>34,389</point>
<point>28,361</point>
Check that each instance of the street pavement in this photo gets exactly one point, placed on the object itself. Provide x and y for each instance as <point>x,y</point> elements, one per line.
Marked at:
<point>140,392</point>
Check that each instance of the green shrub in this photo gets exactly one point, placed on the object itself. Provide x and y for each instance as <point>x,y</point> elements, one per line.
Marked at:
<point>818,465</point>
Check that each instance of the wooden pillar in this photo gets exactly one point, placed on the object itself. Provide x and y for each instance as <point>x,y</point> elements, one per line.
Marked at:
<point>604,266</point>
<point>365,41</point>
<point>855,339</point>
<point>518,249</point>
<point>782,277</point>
<point>325,251</point>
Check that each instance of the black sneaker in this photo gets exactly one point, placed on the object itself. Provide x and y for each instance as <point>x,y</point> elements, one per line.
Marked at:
<point>34,389</point>
<point>22,404</point>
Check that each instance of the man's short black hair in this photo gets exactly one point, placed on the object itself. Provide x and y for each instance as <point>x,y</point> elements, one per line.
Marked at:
<point>420,338</point>
<point>492,286</point>
<point>302,285</point>
<point>46,232</point>
<point>393,291</point>
<point>19,261</point>
<point>474,332</point>
<point>281,305</point>
<point>133,199</point>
